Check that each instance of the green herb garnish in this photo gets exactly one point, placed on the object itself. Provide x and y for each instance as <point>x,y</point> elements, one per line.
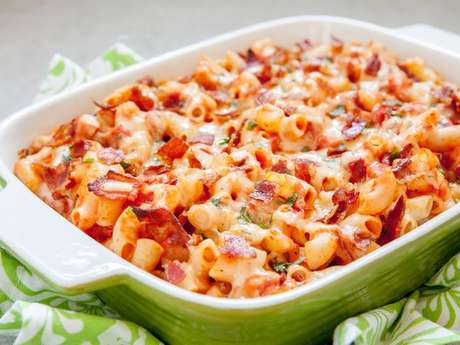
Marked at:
<point>216,202</point>
<point>2,183</point>
<point>251,124</point>
<point>292,199</point>
<point>282,267</point>
<point>66,158</point>
<point>306,149</point>
<point>224,141</point>
<point>125,165</point>
<point>88,160</point>
<point>338,110</point>
<point>392,102</point>
<point>153,161</point>
<point>244,215</point>
<point>394,154</point>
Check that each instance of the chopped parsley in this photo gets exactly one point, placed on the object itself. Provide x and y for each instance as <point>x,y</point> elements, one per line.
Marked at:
<point>153,161</point>
<point>251,124</point>
<point>392,102</point>
<point>224,141</point>
<point>88,160</point>
<point>244,215</point>
<point>66,158</point>
<point>394,154</point>
<point>282,267</point>
<point>216,202</point>
<point>292,199</point>
<point>338,110</point>
<point>125,165</point>
<point>2,183</point>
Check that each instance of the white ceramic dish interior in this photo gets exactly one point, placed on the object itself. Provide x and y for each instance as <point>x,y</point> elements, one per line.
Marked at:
<point>72,261</point>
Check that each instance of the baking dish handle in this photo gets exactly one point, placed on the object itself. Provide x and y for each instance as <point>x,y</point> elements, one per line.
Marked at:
<point>433,35</point>
<point>61,254</point>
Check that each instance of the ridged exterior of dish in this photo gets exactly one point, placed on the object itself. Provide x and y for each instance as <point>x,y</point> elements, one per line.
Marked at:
<point>310,319</point>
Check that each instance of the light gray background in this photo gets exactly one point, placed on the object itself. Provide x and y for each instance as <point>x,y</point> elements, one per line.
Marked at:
<point>31,31</point>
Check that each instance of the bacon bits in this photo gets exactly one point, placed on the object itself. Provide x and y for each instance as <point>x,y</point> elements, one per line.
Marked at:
<point>357,170</point>
<point>206,139</point>
<point>236,246</point>
<point>302,169</point>
<point>173,149</point>
<point>174,273</point>
<point>79,148</point>
<point>100,233</point>
<point>353,71</point>
<point>342,198</point>
<point>161,225</point>
<point>280,167</point>
<point>400,164</point>
<point>54,177</point>
<point>264,96</point>
<point>144,103</point>
<point>354,130</point>
<point>264,191</point>
<point>173,100</point>
<point>110,156</point>
<point>391,227</point>
<point>114,186</point>
<point>373,66</point>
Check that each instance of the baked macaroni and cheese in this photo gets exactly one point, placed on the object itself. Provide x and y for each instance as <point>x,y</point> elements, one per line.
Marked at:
<point>261,171</point>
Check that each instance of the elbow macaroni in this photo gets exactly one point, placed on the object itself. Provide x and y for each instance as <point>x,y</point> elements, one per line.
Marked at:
<point>258,172</point>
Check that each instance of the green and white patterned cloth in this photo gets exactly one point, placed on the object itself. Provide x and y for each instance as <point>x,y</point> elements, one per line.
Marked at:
<point>31,313</point>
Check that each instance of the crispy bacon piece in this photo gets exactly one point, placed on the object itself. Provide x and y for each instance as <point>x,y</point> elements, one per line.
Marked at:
<point>373,65</point>
<point>64,133</point>
<point>173,100</point>
<point>342,198</point>
<point>206,139</point>
<point>305,44</point>
<point>400,164</point>
<point>174,273</point>
<point>313,66</point>
<point>264,191</point>
<point>100,233</point>
<point>53,176</point>
<point>115,186</point>
<point>173,149</point>
<point>391,228</point>
<point>236,246</point>
<point>109,155</point>
<point>357,170</point>
<point>353,71</point>
<point>302,169</point>
<point>280,167</point>
<point>107,107</point>
<point>386,159</point>
<point>264,96</point>
<point>354,130</point>
<point>79,148</point>
<point>406,152</point>
<point>143,102</point>
<point>456,172</point>
<point>156,169</point>
<point>162,226</point>
<point>147,80</point>
<point>193,161</point>
<point>250,57</point>
<point>265,74</point>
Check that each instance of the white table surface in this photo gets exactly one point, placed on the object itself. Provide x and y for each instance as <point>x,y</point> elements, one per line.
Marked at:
<point>32,31</point>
